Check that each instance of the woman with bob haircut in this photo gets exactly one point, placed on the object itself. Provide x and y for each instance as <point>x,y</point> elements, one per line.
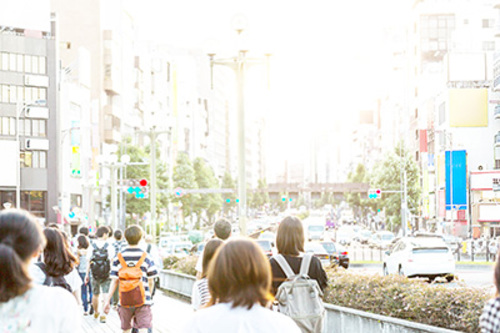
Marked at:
<point>58,260</point>
<point>239,280</point>
<point>290,243</point>
<point>24,306</point>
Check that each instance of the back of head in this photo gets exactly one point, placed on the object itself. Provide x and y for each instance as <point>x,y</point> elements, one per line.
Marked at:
<point>20,238</point>
<point>83,231</point>
<point>102,231</point>
<point>57,256</point>
<point>290,236</point>
<point>222,229</point>
<point>208,253</point>
<point>118,234</point>
<point>83,242</point>
<point>240,273</point>
<point>133,234</point>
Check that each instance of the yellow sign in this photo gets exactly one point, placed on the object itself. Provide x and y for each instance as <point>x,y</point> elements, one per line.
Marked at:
<point>468,107</point>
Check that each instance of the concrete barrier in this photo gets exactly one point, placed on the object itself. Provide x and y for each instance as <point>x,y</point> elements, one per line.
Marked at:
<point>338,319</point>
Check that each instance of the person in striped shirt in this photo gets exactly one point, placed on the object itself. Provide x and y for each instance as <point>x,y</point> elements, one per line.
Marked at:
<point>201,295</point>
<point>140,317</point>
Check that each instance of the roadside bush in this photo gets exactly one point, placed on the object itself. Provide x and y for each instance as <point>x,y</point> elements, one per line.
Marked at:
<point>186,265</point>
<point>169,261</point>
<point>456,308</point>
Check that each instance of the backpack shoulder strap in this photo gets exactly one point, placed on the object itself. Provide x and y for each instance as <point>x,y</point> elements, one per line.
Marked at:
<point>105,247</point>
<point>304,266</point>
<point>141,261</point>
<point>148,250</point>
<point>284,265</point>
<point>41,265</point>
<point>122,261</point>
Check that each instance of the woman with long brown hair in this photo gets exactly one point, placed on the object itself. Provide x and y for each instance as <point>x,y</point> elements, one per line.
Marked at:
<point>239,280</point>
<point>24,306</point>
<point>58,263</point>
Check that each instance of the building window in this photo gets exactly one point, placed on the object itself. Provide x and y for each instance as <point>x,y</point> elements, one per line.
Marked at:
<point>488,23</point>
<point>42,65</point>
<point>5,61</point>
<point>35,202</point>
<point>497,164</point>
<point>416,113</point>
<point>12,62</point>
<point>27,63</point>
<point>488,46</point>
<point>7,126</point>
<point>20,63</point>
<point>33,159</point>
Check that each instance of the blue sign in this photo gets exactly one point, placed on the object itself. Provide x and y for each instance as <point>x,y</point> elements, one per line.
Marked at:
<point>456,179</point>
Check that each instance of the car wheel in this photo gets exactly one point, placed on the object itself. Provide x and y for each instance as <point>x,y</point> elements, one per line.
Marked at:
<point>450,278</point>
<point>401,271</point>
<point>345,266</point>
<point>385,270</point>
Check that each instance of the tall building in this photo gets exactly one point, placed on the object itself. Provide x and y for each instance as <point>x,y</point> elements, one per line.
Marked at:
<point>28,104</point>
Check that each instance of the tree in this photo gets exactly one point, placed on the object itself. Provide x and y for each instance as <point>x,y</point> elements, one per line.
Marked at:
<point>205,178</point>
<point>185,178</point>
<point>355,200</point>
<point>388,175</point>
<point>228,182</point>
<point>261,196</point>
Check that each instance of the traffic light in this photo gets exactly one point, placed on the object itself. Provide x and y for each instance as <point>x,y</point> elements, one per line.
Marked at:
<point>143,182</point>
<point>374,193</point>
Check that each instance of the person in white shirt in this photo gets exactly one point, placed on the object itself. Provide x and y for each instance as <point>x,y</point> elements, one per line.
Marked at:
<point>222,230</point>
<point>100,258</point>
<point>239,279</point>
<point>24,306</point>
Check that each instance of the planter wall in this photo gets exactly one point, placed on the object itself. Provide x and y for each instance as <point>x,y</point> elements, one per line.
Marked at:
<point>338,319</point>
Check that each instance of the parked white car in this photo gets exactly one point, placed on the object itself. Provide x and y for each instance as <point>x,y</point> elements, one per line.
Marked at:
<point>381,239</point>
<point>420,257</point>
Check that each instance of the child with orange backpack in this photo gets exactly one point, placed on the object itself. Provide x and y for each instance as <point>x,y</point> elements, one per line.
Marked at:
<point>134,271</point>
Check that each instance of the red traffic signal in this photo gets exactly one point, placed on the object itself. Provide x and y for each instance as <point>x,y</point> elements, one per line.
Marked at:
<point>143,182</point>
<point>379,191</point>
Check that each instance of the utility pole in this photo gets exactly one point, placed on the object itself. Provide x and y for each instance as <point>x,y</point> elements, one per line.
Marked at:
<point>239,64</point>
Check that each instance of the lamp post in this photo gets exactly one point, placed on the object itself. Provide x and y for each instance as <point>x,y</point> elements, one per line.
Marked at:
<point>239,64</point>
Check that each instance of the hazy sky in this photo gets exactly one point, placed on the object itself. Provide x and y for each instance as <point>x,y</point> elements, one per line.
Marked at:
<point>329,57</point>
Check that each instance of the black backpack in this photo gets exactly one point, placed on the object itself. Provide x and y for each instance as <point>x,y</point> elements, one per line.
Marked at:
<point>100,265</point>
<point>53,281</point>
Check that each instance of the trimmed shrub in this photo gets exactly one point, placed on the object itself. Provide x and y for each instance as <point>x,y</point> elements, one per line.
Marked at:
<point>456,308</point>
<point>169,262</point>
<point>186,265</point>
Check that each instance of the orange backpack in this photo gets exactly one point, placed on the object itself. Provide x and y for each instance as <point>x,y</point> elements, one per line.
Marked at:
<point>132,293</point>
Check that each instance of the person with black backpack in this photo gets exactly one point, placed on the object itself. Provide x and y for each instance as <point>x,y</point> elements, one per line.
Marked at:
<point>58,267</point>
<point>99,268</point>
<point>294,271</point>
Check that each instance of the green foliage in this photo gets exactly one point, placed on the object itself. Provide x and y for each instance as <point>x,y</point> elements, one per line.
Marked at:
<point>205,178</point>
<point>136,208</point>
<point>261,196</point>
<point>228,182</point>
<point>388,175</point>
<point>456,308</point>
<point>303,215</point>
<point>169,262</point>
<point>355,200</point>
<point>185,178</point>
<point>186,265</point>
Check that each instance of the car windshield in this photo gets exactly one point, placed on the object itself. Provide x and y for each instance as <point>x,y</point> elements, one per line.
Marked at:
<point>329,247</point>
<point>316,228</point>
<point>314,247</point>
<point>265,245</point>
<point>430,250</point>
<point>387,237</point>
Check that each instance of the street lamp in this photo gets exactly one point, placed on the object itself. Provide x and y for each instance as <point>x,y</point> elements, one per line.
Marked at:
<point>239,64</point>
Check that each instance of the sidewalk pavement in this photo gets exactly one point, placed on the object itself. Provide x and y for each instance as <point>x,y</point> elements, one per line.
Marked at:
<point>169,316</point>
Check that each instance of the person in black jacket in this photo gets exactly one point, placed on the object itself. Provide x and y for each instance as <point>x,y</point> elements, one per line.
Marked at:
<point>290,244</point>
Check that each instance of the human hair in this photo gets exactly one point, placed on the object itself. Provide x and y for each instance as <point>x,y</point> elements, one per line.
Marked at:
<point>58,259</point>
<point>110,231</point>
<point>53,225</point>
<point>84,231</point>
<point>208,253</point>
<point>20,238</point>
<point>240,274</point>
<point>102,231</point>
<point>133,234</point>
<point>222,229</point>
<point>290,236</point>
<point>118,234</point>
<point>83,242</point>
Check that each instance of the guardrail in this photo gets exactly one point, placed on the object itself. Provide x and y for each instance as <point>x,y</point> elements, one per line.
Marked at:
<point>338,319</point>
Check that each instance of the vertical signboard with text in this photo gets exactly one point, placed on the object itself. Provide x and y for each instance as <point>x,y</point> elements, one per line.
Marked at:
<point>456,179</point>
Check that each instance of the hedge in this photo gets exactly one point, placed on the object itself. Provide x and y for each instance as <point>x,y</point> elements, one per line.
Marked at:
<point>435,304</point>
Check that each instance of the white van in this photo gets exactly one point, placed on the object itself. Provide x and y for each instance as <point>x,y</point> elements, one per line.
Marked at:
<point>316,232</point>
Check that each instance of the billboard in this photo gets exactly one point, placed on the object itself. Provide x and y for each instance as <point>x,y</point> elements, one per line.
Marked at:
<point>468,107</point>
<point>456,179</point>
<point>26,14</point>
<point>467,66</point>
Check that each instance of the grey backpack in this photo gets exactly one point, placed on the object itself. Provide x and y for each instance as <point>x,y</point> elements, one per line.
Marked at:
<point>300,297</point>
